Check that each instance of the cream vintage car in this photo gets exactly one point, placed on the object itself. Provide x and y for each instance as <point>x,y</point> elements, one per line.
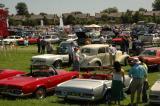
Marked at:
<point>98,55</point>
<point>154,94</point>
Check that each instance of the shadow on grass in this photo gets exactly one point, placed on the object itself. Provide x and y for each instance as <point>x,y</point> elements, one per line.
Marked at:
<point>80,103</point>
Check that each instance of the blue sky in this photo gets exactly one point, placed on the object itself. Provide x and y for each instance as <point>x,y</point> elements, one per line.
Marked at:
<point>85,6</point>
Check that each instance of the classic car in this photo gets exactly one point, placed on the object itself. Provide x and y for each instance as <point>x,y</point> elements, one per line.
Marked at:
<point>154,94</point>
<point>5,73</point>
<point>37,82</point>
<point>31,40</point>
<point>57,60</point>
<point>11,39</point>
<point>151,57</point>
<point>64,45</point>
<point>90,87</point>
<point>98,55</point>
<point>51,38</point>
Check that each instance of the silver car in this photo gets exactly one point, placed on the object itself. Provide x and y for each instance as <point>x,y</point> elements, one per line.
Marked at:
<point>87,89</point>
<point>154,95</point>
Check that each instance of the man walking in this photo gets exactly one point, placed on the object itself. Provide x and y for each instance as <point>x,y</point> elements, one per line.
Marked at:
<point>138,75</point>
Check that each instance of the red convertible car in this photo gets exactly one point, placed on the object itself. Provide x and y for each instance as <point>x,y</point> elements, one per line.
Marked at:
<point>36,83</point>
<point>31,40</point>
<point>151,57</point>
<point>5,73</point>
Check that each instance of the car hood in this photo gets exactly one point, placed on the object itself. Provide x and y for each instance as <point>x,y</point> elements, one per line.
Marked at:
<point>156,86</point>
<point>144,57</point>
<point>4,73</point>
<point>18,80</point>
<point>82,84</point>
<point>9,39</point>
<point>47,56</point>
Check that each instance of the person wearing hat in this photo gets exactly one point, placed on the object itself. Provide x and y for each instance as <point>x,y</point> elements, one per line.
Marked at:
<point>76,59</point>
<point>138,75</point>
<point>145,83</point>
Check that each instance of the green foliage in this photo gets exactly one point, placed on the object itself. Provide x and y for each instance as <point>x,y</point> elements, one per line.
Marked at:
<point>29,22</point>
<point>142,10</point>
<point>156,5</point>
<point>70,20</point>
<point>104,17</point>
<point>22,8</point>
<point>110,10</point>
<point>137,17</point>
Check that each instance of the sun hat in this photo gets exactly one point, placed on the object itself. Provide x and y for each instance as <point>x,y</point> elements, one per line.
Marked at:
<point>136,60</point>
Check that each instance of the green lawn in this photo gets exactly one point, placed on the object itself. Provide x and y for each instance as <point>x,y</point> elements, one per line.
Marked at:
<point>20,59</point>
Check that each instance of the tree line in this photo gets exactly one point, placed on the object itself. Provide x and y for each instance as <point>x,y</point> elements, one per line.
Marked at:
<point>126,17</point>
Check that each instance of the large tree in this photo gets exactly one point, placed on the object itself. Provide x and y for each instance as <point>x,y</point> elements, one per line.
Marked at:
<point>22,8</point>
<point>142,10</point>
<point>110,10</point>
<point>156,5</point>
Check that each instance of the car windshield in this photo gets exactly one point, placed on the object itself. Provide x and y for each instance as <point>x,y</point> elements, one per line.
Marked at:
<point>11,37</point>
<point>47,37</point>
<point>86,51</point>
<point>42,71</point>
<point>54,37</point>
<point>148,53</point>
<point>64,45</point>
<point>99,75</point>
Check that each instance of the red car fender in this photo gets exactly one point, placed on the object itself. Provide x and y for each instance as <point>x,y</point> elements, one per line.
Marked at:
<point>31,89</point>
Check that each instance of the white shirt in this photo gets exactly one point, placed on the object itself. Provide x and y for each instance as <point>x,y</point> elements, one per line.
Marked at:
<point>117,76</point>
<point>112,50</point>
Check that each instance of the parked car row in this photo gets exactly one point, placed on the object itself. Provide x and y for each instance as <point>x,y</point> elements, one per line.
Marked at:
<point>90,56</point>
<point>89,86</point>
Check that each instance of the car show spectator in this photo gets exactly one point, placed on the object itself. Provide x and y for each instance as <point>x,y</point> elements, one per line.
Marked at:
<point>137,46</point>
<point>43,45</point>
<point>138,75</point>
<point>112,52</point>
<point>102,40</point>
<point>26,42</point>
<point>145,84</point>
<point>117,83</point>
<point>39,44</point>
<point>76,60</point>
<point>70,52</point>
<point>49,48</point>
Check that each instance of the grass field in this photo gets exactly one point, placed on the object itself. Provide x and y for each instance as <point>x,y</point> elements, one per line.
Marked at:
<point>19,58</point>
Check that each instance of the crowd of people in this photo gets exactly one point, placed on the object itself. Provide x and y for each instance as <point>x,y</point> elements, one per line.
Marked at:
<point>43,46</point>
<point>139,84</point>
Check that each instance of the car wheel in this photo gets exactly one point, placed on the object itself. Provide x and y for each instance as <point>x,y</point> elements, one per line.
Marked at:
<point>107,96</point>
<point>57,64</point>
<point>40,93</point>
<point>97,64</point>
